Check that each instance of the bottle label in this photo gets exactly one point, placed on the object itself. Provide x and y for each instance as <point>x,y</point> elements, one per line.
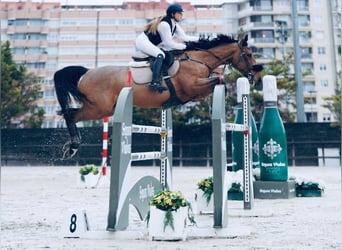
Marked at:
<point>270,104</point>
<point>271,148</point>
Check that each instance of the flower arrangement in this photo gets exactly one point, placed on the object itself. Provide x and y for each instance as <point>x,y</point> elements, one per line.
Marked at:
<point>170,201</point>
<point>308,186</point>
<point>87,169</point>
<point>207,186</point>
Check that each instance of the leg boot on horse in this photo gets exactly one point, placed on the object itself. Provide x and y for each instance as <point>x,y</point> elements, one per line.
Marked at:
<point>155,85</point>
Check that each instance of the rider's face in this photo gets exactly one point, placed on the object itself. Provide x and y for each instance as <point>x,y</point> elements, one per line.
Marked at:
<point>178,16</point>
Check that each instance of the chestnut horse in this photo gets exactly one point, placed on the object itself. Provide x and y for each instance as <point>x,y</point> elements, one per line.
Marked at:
<point>98,89</point>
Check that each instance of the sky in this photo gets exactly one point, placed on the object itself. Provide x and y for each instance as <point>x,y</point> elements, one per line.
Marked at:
<point>111,2</point>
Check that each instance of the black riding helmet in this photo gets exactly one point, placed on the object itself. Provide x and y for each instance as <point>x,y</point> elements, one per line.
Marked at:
<point>173,8</point>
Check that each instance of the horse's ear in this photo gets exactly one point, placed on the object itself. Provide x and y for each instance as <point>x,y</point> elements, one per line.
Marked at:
<point>243,42</point>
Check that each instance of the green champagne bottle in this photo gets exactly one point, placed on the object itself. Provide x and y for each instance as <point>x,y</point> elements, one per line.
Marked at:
<point>237,136</point>
<point>272,137</point>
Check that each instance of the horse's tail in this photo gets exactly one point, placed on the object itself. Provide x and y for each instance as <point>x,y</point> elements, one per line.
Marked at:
<point>66,81</point>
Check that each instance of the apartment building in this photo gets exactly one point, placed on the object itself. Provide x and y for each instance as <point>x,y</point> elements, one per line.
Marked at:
<point>46,36</point>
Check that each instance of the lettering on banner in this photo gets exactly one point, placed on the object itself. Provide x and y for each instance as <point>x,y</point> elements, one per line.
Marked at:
<point>146,192</point>
<point>270,191</point>
<point>273,164</point>
<point>125,145</point>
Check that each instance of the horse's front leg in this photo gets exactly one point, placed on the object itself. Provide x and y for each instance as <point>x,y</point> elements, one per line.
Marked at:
<point>205,86</point>
<point>70,148</point>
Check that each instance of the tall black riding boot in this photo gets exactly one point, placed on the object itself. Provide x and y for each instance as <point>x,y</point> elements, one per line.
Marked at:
<point>155,85</point>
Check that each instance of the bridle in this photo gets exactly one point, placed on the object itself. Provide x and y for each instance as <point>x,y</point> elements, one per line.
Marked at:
<point>243,58</point>
<point>250,68</point>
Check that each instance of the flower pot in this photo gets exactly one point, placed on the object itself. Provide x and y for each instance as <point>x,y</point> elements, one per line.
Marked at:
<point>88,181</point>
<point>309,192</point>
<point>156,224</point>
<point>235,196</point>
<point>203,206</point>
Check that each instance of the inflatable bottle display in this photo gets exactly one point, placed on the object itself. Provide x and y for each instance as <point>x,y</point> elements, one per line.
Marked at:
<point>237,136</point>
<point>272,137</point>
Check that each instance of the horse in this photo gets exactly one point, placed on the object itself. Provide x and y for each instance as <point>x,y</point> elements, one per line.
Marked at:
<point>97,89</point>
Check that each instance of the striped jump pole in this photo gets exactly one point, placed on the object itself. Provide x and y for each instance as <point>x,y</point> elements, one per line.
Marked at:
<point>104,146</point>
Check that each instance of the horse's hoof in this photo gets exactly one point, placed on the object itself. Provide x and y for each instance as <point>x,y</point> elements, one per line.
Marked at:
<point>69,150</point>
<point>66,147</point>
<point>69,154</point>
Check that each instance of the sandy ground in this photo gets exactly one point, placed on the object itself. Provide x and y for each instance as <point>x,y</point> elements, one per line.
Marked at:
<point>36,200</point>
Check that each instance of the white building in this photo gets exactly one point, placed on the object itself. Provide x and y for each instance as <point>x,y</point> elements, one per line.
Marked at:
<point>46,36</point>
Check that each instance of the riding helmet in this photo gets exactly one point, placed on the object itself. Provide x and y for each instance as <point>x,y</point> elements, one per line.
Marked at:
<point>173,8</point>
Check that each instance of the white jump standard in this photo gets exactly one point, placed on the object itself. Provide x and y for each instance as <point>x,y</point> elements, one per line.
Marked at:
<point>219,128</point>
<point>122,192</point>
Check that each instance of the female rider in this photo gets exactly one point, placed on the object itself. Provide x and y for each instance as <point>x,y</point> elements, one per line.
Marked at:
<point>158,34</point>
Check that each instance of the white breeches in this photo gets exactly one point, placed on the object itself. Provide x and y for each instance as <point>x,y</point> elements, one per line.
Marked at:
<point>143,44</point>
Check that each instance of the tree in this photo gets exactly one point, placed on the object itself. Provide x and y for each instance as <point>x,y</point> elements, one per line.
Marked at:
<point>19,93</point>
<point>333,103</point>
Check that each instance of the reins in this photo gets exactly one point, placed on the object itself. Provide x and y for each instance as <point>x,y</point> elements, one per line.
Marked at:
<point>226,62</point>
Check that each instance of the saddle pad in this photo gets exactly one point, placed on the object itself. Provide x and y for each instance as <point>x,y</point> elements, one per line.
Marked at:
<point>136,64</point>
<point>142,73</point>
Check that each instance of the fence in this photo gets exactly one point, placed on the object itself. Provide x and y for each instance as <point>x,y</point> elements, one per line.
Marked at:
<point>191,146</point>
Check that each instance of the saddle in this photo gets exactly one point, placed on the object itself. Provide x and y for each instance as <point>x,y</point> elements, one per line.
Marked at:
<point>141,67</point>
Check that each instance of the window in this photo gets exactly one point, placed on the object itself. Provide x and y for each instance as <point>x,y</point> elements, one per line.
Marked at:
<point>309,87</point>
<point>264,52</point>
<point>324,83</point>
<point>50,110</point>
<point>317,3</point>
<point>304,21</point>
<point>262,20</point>
<point>263,36</point>
<point>49,94</point>
<point>36,65</point>
<point>326,117</point>
<point>304,37</point>
<point>261,4</point>
<point>303,4</point>
<point>323,67</point>
<point>307,67</point>
<point>306,52</point>
<point>321,50</point>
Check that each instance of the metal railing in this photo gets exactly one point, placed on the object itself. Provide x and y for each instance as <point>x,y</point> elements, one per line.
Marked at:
<point>300,153</point>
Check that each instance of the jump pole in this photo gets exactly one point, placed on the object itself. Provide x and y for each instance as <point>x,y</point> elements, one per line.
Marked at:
<point>104,146</point>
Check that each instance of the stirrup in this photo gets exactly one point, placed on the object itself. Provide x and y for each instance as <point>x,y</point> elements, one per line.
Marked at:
<point>155,86</point>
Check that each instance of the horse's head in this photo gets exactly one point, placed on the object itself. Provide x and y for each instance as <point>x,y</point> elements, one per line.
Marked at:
<point>244,62</point>
<point>226,50</point>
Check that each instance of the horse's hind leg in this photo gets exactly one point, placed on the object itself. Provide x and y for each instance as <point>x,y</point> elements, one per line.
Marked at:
<point>70,148</point>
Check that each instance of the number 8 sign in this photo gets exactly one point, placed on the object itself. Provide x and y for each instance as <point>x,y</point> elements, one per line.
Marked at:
<point>75,223</point>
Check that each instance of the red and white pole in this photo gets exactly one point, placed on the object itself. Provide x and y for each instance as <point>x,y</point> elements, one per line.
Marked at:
<point>105,146</point>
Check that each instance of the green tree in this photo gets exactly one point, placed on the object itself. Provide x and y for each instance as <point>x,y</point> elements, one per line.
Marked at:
<point>19,93</point>
<point>333,103</point>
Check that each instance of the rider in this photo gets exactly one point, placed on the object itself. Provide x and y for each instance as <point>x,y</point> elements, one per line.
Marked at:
<point>159,33</point>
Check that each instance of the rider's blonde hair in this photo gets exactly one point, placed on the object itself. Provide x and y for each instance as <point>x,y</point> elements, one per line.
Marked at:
<point>152,26</point>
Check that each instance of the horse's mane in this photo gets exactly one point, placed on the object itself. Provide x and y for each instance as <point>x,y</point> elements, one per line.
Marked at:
<point>204,43</point>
